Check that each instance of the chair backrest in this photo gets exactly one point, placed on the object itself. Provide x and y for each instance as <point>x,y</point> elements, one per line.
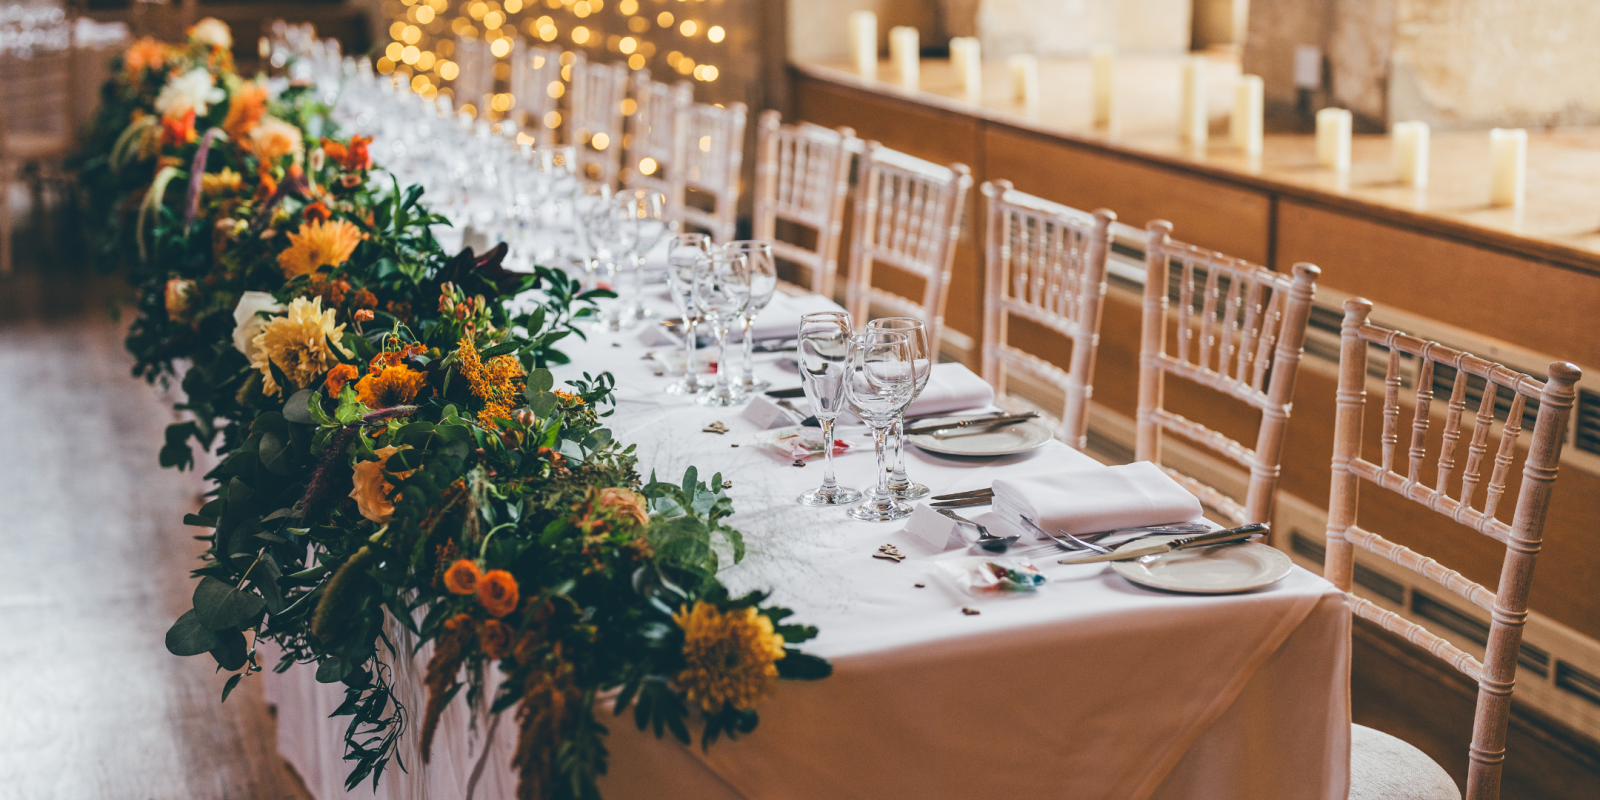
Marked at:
<point>907,217</point>
<point>802,178</point>
<point>1508,608</point>
<point>474,83</point>
<point>596,125</point>
<point>1244,340</point>
<point>534,70</point>
<point>655,141</point>
<point>712,156</point>
<point>1046,263</point>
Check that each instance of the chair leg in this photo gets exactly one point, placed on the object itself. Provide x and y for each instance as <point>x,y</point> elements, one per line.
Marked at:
<point>5,219</point>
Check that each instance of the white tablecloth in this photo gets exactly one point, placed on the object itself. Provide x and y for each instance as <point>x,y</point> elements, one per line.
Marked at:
<point>1092,688</point>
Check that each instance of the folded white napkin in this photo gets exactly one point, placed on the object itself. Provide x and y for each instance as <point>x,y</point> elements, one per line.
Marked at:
<point>781,317</point>
<point>952,387</point>
<point>1085,501</point>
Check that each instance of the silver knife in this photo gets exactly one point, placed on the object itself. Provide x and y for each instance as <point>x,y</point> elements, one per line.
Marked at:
<point>952,433</point>
<point>963,502</point>
<point>1229,536</point>
<point>969,423</point>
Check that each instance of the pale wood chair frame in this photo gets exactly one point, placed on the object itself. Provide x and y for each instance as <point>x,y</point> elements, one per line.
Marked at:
<point>712,156</point>
<point>1508,608</point>
<point>1256,360</point>
<point>908,218</point>
<point>803,178</point>
<point>596,108</point>
<point>1046,263</point>
<point>655,131</point>
<point>42,87</point>
<point>474,83</point>
<point>533,69</point>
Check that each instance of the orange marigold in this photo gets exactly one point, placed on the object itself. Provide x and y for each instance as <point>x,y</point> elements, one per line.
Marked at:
<point>394,386</point>
<point>462,577</point>
<point>319,244</point>
<point>393,358</point>
<point>338,377</point>
<point>498,383</point>
<point>317,212</point>
<point>497,591</point>
<point>496,638</point>
<point>245,109</point>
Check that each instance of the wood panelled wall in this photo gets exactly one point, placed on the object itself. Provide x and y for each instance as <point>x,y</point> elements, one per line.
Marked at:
<point>1526,300</point>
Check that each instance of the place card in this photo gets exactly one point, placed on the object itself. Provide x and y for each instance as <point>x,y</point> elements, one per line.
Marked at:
<point>934,529</point>
<point>765,413</point>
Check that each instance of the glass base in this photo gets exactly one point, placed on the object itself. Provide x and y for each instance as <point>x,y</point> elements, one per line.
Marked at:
<point>911,491</point>
<point>751,385</point>
<point>687,386</point>
<point>838,496</point>
<point>711,398</point>
<point>880,510</point>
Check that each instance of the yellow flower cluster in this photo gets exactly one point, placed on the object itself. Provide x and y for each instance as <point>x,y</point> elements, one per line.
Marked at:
<point>298,343</point>
<point>498,383</point>
<point>730,657</point>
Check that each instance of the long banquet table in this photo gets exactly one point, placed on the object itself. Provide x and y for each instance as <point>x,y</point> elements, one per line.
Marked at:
<point>1090,688</point>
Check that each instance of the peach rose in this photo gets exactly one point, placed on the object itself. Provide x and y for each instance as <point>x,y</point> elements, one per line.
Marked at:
<point>372,488</point>
<point>497,591</point>
<point>624,503</point>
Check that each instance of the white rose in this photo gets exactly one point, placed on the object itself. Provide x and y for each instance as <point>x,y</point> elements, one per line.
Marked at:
<point>212,31</point>
<point>247,323</point>
<point>194,89</point>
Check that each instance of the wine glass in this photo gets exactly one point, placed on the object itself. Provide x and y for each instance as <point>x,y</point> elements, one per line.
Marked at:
<point>721,290</point>
<point>683,250</point>
<point>823,351</point>
<point>900,485</point>
<point>763,282</point>
<point>880,378</point>
<point>589,195</point>
<point>646,211</point>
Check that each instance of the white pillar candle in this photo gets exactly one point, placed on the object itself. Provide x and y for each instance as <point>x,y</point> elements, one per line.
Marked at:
<point>864,42</point>
<point>1333,139</point>
<point>1025,79</point>
<point>1193,121</point>
<point>1102,63</point>
<point>1410,153</point>
<point>906,54</point>
<point>969,67</point>
<point>1245,129</point>
<point>1508,159</point>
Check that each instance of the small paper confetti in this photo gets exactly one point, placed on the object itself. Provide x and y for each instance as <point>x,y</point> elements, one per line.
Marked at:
<point>799,463</point>
<point>888,557</point>
<point>716,427</point>
<point>733,445</point>
<point>727,484</point>
<point>920,585</point>
<point>616,344</point>
<point>971,612</point>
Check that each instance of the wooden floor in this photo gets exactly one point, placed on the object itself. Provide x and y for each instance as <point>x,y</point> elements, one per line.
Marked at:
<point>93,568</point>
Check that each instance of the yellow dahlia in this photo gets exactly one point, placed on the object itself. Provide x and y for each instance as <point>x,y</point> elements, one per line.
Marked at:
<point>298,343</point>
<point>326,243</point>
<point>730,657</point>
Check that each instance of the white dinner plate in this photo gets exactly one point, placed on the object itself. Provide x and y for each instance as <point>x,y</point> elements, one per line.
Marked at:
<point>1010,440</point>
<point>1207,570</point>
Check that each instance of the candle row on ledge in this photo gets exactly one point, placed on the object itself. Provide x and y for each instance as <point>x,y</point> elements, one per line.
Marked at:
<point>1508,154</point>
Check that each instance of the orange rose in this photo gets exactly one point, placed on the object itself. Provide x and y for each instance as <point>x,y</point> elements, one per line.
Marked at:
<point>496,638</point>
<point>338,377</point>
<point>497,591</point>
<point>462,577</point>
<point>372,487</point>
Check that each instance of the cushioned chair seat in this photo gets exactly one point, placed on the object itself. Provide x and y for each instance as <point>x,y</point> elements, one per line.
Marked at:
<point>1385,768</point>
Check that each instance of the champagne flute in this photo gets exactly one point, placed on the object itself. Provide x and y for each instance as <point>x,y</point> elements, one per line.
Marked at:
<point>880,378</point>
<point>823,351</point>
<point>763,282</point>
<point>922,358</point>
<point>721,290</point>
<point>683,251</point>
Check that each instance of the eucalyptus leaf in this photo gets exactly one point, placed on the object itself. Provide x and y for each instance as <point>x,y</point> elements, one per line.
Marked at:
<point>187,637</point>
<point>221,606</point>
<point>296,409</point>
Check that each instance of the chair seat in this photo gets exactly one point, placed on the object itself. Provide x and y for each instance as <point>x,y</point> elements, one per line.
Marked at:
<point>1385,768</point>
<point>29,146</point>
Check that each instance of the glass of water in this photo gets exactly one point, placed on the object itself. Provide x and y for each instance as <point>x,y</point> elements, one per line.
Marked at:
<point>683,251</point>
<point>823,348</point>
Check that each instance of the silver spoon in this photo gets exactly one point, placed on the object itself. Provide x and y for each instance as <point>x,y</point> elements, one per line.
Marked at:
<point>986,540</point>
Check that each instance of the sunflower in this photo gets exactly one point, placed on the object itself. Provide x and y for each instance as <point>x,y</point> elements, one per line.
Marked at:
<point>298,343</point>
<point>319,244</point>
<point>245,109</point>
<point>394,386</point>
<point>730,657</point>
<point>497,382</point>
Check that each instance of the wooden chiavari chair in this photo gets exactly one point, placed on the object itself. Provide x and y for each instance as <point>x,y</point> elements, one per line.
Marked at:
<point>655,141</point>
<point>1245,341</point>
<point>1046,263</point>
<point>596,125</point>
<point>712,155</point>
<point>907,218</point>
<point>36,131</point>
<point>802,178</point>
<point>534,70</point>
<point>1508,607</point>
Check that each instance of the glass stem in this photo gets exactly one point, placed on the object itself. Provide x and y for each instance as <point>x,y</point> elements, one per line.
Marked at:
<point>828,485</point>
<point>897,478</point>
<point>689,325</point>
<point>722,360</point>
<point>880,440</point>
<point>749,351</point>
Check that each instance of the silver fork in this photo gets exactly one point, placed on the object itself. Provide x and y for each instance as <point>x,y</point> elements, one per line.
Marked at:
<point>1072,542</point>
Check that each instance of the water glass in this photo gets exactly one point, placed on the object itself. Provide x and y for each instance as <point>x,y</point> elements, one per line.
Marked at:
<point>899,484</point>
<point>683,250</point>
<point>721,290</point>
<point>763,282</point>
<point>646,212</point>
<point>880,378</point>
<point>586,200</point>
<point>823,350</point>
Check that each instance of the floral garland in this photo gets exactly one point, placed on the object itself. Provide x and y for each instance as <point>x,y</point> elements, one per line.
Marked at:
<point>393,448</point>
